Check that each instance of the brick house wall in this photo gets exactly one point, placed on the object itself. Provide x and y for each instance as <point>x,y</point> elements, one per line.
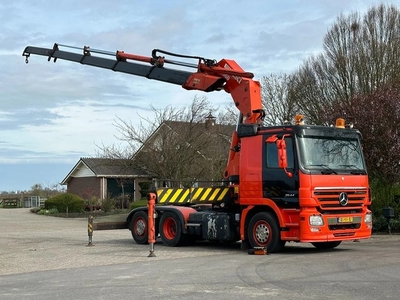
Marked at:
<point>85,187</point>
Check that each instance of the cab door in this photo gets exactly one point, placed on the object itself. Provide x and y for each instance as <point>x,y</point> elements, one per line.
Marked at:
<point>280,185</point>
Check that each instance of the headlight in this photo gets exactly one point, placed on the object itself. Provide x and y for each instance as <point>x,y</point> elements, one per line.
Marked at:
<point>316,220</point>
<point>368,218</point>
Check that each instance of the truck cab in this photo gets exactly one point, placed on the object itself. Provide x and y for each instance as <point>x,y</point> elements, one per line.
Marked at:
<point>312,180</point>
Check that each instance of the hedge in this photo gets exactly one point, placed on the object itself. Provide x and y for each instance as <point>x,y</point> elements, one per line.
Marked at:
<point>65,203</point>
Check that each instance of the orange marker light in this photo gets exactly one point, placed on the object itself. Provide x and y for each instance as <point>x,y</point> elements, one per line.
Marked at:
<point>299,120</point>
<point>340,123</point>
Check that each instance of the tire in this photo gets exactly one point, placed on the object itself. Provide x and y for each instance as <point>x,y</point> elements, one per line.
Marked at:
<point>171,230</point>
<point>139,227</point>
<point>263,231</point>
<point>326,245</point>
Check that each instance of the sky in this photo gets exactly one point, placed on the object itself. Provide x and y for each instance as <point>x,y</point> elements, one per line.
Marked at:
<point>52,114</point>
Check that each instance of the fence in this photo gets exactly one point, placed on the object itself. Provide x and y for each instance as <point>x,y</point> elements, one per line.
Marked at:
<point>34,201</point>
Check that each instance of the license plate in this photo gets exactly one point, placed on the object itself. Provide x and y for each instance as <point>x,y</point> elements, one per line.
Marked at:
<point>345,220</point>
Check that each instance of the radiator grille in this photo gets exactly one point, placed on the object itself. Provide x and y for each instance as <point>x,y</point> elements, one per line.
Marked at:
<point>328,198</point>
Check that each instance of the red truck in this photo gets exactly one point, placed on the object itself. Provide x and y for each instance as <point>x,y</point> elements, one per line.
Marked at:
<point>293,182</point>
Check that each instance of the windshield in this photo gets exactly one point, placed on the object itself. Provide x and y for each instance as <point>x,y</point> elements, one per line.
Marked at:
<point>331,153</point>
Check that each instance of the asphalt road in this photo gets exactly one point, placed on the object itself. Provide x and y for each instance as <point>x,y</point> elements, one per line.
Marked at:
<point>48,258</point>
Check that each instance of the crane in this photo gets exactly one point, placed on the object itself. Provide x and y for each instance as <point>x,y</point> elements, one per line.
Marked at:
<point>209,75</point>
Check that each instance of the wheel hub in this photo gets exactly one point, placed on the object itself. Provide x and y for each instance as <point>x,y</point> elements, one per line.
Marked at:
<point>140,227</point>
<point>262,233</point>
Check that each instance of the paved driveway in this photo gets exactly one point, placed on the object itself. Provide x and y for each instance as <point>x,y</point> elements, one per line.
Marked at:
<point>44,257</point>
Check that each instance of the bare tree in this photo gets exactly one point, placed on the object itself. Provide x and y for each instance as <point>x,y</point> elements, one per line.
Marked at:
<point>310,89</point>
<point>37,189</point>
<point>279,107</point>
<point>228,116</point>
<point>364,52</point>
<point>277,103</point>
<point>360,55</point>
<point>176,144</point>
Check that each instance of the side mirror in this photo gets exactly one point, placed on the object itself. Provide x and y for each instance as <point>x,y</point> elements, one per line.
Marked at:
<point>282,153</point>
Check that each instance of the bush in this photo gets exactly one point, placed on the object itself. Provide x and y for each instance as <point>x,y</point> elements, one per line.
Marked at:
<point>395,225</point>
<point>52,211</point>
<point>65,203</point>
<point>380,225</point>
<point>108,204</point>
<point>139,203</point>
<point>144,188</point>
<point>92,204</point>
<point>383,195</point>
<point>122,202</point>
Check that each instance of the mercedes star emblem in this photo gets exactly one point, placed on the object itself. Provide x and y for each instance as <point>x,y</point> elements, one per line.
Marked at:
<point>343,199</point>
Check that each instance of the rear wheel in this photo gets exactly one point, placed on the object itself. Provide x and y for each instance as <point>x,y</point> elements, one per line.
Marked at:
<point>263,231</point>
<point>171,230</point>
<point>326,245</point>
<point>138,227</point>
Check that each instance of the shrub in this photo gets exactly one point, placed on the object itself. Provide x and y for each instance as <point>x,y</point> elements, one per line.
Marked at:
<point>395,225</point>
<point>144,188</point>
<point>380,225</point>
<point>383,195</point>
<point>122,202</point>
<point>92,204</point>
<point>65,203</point>
<point>52,211</point>
<point>139,203</point>
<point>108,204</point>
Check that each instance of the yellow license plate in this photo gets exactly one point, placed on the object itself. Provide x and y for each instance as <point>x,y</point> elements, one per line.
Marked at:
<point>345,220</point>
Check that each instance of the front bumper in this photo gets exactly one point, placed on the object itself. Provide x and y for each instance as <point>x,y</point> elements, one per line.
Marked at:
<point>334,228</point>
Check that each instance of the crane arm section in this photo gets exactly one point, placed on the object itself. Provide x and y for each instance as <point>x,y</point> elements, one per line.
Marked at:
<point>118,65</point>
<point>209,75</point>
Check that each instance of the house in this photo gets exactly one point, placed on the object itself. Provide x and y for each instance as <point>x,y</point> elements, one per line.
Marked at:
<point>180,147</point>
<point>103,177</point>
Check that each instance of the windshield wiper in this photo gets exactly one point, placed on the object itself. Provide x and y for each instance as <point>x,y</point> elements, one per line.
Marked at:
<point>326,171</point>
<point>358,171</point>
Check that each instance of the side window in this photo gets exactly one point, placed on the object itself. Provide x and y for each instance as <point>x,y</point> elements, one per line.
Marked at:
<point>290,154</point>
<point>272,154</point>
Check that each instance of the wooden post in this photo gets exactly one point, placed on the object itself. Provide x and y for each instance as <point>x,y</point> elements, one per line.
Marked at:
<point>90,230</point>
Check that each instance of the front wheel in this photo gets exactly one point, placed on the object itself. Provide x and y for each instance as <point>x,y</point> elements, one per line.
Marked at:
<point>138,227</point>
<point>171,230</point>
<point>326,245</point>
<point>263,231</point>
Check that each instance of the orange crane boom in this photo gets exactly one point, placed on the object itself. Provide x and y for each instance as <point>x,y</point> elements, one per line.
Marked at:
<point>209,76</point>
